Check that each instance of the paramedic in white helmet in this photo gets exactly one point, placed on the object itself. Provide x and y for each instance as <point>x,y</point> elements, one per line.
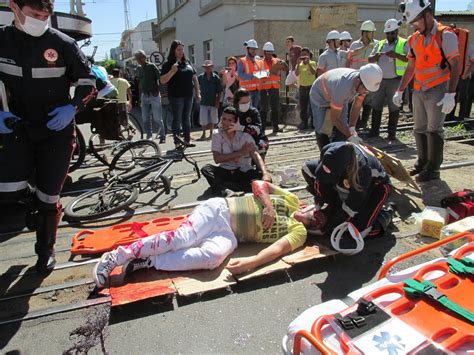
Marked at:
<point>331,93</point>
<point>436,70</point>
<point>247,67</point>
<point>270,86</point>
<point>332,57</point>
<point>358,56</point>
<point>391,55</point>
<point>346,40</point>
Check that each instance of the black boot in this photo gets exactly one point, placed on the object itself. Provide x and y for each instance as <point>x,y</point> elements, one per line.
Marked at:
<point>435,158</point>
<point>384,218</point>
<point>46,227</point>
<point>376,121</point>
<point>421,141</point>
<point>392,125</point>
<point>366,109</point>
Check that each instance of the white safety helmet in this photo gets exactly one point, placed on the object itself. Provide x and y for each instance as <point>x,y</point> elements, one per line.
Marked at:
<point>268,47</point>
<point>391,25</point>
<point>368,26</point>
<point>332,35</point>
<point>345,36</point>
<point>371,76</point>
<point>251,43</point>
<point>411,9</point>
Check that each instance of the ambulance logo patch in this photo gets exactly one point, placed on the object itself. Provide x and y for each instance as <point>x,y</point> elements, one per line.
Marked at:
<point>51,55</point>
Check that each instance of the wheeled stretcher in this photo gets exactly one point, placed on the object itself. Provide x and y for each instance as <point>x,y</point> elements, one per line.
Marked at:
<point>425,309</point>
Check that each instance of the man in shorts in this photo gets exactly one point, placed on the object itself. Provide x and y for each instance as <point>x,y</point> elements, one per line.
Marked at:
<point>211,90</point>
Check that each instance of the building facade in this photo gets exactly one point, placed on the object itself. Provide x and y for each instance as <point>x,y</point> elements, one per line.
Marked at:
<point>216,29</point>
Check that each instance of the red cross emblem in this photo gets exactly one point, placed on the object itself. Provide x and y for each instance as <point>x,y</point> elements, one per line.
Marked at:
<point>51,55</point>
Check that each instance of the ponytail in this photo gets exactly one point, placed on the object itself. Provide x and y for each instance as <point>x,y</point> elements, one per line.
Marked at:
<point>353,170</point>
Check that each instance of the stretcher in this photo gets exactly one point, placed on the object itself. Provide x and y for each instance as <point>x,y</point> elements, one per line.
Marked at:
<point>88,242</point>
<point>424,309</point>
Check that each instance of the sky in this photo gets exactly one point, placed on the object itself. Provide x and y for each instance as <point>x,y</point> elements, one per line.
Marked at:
<point>108,19</point>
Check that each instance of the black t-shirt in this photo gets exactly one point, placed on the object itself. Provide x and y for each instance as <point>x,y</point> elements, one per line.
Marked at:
<point>181,84</point>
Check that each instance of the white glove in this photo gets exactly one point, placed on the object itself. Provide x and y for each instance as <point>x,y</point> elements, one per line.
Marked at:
<point>448,102</point>
<point>353,131</point>
<point>236,127</point>
<point>355,139</point>
<point>398,98</point>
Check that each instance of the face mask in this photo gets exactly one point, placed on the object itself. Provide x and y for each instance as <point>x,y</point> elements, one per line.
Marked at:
<point>34,27</point>
<point>244,107</point>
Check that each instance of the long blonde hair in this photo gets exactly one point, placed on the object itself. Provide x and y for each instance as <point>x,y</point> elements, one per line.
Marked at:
<point>353,169</point>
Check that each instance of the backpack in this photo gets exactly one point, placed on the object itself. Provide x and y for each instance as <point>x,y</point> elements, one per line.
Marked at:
<point>463,44</point>
<point>459,205</point>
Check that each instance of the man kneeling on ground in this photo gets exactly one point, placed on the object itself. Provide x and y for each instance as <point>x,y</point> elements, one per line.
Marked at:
<point>233,150</point>
<point>213,230</point>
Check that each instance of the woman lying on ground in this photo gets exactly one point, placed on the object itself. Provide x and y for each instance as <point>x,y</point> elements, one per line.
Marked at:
<point>212,231</point>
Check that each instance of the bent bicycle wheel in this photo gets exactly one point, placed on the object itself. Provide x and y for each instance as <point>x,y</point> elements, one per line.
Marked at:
<point>138,154</point>
<point>101,202</point>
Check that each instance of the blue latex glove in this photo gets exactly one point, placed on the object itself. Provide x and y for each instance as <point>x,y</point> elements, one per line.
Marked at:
<point>62,116</point>
<point>3,116</point>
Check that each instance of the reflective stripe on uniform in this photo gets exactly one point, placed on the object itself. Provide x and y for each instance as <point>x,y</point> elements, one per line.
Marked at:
<point>11,69</point>
<point>13,186</point>
<point>47,73</point>
<point>348,210</point>
<point>85,82</point>
<point>43,197</point>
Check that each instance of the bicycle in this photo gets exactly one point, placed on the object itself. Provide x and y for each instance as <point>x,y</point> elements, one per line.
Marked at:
<point>138,159</point>
<point>104,145</point>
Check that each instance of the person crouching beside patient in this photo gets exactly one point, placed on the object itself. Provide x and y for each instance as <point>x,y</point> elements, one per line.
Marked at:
<point>353,184</point>
<point>233,150</point>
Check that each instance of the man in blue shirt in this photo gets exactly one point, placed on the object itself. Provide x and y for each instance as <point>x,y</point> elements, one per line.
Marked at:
<point>211,89</point>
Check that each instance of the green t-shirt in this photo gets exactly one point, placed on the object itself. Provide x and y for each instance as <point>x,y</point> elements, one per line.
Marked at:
<point>248,217</point>
<point>149,77</point>
<point>305,77</point>
<point>122,86</point>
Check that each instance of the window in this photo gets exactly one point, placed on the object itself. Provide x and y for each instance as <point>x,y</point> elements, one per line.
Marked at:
<point>207,50</point>
<point>191,54</point>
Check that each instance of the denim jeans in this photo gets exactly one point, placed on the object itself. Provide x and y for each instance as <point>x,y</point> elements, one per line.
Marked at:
<point>167,116</point>
<point>152,105</point>
<point>181,107</point>
<point>255,98</point>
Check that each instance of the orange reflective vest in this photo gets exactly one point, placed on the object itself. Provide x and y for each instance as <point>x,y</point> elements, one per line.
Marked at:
<point>250,68</point>
<point>428,71</point>
<point>273,81</point>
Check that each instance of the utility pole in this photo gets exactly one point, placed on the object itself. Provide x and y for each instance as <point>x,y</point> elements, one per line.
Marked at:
<point>126,10</point>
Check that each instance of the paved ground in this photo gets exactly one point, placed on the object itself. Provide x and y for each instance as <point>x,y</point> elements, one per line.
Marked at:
<point>250,317</point>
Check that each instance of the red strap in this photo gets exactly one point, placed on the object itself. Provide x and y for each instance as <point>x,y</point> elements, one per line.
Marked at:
<point>138,230</point>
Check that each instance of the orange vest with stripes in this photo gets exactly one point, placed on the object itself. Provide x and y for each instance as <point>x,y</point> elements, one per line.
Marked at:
<point>273,81</point>
<point>428,71</point>
<point>250,68</point>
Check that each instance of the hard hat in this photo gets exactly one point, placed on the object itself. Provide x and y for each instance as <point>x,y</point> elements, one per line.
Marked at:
<point>268,47</point>
<point>368,26</point>
<point>251,43</point>
<point>345,36</point>
<point>332,35</point>
<point>411,9</point>
<point>391,25</point>
<point>371,76</point>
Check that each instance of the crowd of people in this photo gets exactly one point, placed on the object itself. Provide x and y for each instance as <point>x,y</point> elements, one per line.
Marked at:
<point>349,82</point>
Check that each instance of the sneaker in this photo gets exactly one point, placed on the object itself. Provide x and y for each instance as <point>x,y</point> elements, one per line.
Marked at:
<point>103,269</point>
<point>137,264</point>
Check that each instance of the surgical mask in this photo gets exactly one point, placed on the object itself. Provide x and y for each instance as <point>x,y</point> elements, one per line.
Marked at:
<point>244,107</point>
<point>33,26</point>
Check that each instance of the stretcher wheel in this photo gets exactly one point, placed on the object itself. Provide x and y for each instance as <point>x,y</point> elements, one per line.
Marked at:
<point>138,154</point>
<point>101,202</point>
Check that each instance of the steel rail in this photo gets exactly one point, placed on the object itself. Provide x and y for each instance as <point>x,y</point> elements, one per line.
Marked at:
<point>55,310</point>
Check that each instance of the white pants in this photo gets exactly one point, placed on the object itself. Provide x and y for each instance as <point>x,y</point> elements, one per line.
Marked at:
<point>203,241</point>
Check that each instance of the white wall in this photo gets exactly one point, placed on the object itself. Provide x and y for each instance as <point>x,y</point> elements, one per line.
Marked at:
<point>141,37</point>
